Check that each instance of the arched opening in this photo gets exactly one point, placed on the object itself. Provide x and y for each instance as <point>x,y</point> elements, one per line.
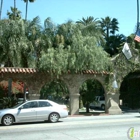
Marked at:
<point>89,90</point>
<point>130,91</point>
<point>56,91</point>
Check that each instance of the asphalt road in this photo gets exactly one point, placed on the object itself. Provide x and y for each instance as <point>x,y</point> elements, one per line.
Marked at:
<point>112,127</point>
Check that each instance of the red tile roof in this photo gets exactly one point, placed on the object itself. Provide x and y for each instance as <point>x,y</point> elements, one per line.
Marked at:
<point>17,70</point>
<point>95,72</point>
<point>32,70</point>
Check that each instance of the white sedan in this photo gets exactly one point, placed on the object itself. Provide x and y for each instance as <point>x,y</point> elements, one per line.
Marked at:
<point>34,110</point>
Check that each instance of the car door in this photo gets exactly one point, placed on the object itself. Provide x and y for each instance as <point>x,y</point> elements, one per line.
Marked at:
<point>27,112</point>
<point>102,101</point>
<point>43,110</point>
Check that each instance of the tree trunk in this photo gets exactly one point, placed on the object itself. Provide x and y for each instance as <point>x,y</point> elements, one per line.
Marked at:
<point>26,10</point>
<point>24,92</point>
<point>80,102</point>
<point>14,9</point>
<point>87,107</point>
<point>1,8</point>
<point>9,87</point>
<point>107,33</point>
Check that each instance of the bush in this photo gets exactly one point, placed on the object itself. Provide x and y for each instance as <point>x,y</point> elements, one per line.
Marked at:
<point>8,102</point>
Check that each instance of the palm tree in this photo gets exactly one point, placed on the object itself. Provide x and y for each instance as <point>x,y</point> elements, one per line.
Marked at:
<point>114,26</point>
<point>26,1</point>
<point>1,8</point>
<point>15,14</point>
<point>114,43</point>
<point>87,21</point>
<point>109,26</point>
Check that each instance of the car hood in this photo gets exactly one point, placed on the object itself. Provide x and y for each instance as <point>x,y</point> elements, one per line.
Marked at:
<point>6,110</point>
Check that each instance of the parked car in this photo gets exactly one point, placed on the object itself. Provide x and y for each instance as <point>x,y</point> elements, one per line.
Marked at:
<point>34,110</point>
<point>98,103</point>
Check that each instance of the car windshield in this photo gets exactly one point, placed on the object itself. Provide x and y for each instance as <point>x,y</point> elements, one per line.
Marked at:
<point>16,105</point>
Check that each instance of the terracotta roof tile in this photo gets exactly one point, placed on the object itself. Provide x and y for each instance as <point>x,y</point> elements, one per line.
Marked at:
<point>95,72</point>
<point>13,70</point>
<point>16,70</point>
<point>32,70</point>
<point>27,70</point>
<point>23,70</point>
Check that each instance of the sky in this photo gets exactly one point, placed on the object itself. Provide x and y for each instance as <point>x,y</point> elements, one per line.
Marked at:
<point>60,11</point>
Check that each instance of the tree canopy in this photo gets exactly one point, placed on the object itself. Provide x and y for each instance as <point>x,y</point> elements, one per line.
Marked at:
<point>56,48</point>
<point>78,52</point>
<point>73,46</point>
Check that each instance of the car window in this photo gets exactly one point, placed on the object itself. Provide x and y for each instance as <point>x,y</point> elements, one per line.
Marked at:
<point>44,104</point>
<point>102,98</point>
<point>96,98</point>
<point>30,105</point>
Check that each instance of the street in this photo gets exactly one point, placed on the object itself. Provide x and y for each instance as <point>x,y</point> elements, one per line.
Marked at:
<point>109,127</point>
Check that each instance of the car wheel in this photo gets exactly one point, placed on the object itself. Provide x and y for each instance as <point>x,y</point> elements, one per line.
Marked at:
<point>103,107</point>
<point>7,120</point>
<point>54,117</point>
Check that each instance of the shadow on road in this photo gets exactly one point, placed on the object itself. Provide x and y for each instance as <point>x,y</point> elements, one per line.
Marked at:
<point>128,110</point>
<point>99,112</point>
<point>92,112</point>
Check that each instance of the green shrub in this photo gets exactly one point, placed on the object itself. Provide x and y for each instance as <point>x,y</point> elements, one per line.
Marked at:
<point>8,102</point>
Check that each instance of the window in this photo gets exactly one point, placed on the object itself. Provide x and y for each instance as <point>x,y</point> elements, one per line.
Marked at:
<point>96,98</point>
<point>44,104</point>
<point>30,105</point>
<point>102,98</point>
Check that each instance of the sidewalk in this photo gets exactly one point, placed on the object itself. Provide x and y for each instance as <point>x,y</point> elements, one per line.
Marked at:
<point>82,112</point>
<point>98,112</point>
